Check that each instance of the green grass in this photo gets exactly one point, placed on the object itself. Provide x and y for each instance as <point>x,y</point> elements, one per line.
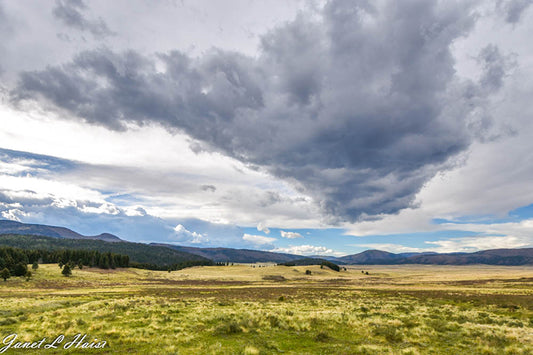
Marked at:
<point>237,310</point>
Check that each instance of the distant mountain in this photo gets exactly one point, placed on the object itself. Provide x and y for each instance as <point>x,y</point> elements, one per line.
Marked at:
<point>371,257</point>
<point>13,227</point>
<point>138,252</point>
<point>490,257</point>
<point>234,255</point>
<point>328,258</point>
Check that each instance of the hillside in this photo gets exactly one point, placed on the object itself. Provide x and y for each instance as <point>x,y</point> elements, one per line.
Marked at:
<point>490,257</point>
<point>371,257</point>
<point>234,255</point>
<point>165,254</point>
<point>138,252</point>
<point>13,227</point>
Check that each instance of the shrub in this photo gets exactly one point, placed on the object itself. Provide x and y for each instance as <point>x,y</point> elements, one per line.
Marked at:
<point>322,337</point>
<point>231,327</point>
<point>389,332</point>
<point>8,321</point>
<point>273,320</point>
<point>308,272</point>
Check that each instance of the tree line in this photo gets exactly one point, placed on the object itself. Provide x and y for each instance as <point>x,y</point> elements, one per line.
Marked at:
<point>161,256</point>
<point>173,267</point>
<point>16,260</point>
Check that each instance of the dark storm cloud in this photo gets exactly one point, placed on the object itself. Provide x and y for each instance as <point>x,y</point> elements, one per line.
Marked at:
<point>358,109</point>
<point>512,10</point>
<point>70,12</point>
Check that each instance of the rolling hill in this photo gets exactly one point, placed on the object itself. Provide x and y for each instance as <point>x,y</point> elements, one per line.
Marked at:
<point>371,257</point>
<point>163,254</point>
<point>138,252</point>
<point>13,227</point>
<point>490,257</point>
<point>234,255</point>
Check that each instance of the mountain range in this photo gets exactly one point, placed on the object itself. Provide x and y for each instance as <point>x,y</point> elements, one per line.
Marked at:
<point>13,227</point>
<point>155,252</point>
<point>235,255</point>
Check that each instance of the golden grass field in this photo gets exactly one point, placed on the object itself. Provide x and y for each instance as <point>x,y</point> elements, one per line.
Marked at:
<point>268,309</point>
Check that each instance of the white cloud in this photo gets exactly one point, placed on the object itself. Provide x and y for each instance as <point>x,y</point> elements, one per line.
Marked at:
<point>135,211</point>
<point>20,187</point>
<point>453,245</point>
<point>185,235</point>
<point>291,235</point>
<point>471,244</point>
<point>307,250</point>
<point>104,208</point>
<point>13,214</point>
<point>263,229</point>
<point>169,185</point>
<point>258,239</point>
<point>12,168</point>
<point>392,248</point>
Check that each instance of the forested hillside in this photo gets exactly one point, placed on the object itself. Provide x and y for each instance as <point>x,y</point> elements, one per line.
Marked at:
<point>139,254</point>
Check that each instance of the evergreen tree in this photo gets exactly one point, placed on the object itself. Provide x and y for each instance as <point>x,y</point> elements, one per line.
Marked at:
<point>35,266</point>
<point>111,260</point>
<point>20,269</point>
<point>5,274</point>
<point>66,271</point>
<point>105,262</point>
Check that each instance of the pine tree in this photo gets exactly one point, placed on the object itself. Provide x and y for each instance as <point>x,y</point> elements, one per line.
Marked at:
<point>66,271</point>
<point>20,269</point>
<point>5,274</point>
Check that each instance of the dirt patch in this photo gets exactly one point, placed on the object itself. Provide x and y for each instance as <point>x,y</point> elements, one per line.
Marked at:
<point>277,278</point>
<point>196,282</point>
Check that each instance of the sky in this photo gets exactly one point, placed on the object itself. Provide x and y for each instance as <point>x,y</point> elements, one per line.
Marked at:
<point>306,127</point>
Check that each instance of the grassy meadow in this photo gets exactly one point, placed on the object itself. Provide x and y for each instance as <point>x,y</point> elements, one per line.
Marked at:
<point>268,309</point>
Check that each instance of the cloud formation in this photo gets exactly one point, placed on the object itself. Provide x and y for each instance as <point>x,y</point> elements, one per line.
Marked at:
<point>513,9</point>
<point>358,107</point>
<point>258,239</point>
<point>184,235</point>
<point>307,250</point>
<point>70,13</point>
<point>290,235</point>
<point>4,32</point>
<point>262,228</point>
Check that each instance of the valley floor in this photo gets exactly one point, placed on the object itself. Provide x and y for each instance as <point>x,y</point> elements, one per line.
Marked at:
<point>268,309</point>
